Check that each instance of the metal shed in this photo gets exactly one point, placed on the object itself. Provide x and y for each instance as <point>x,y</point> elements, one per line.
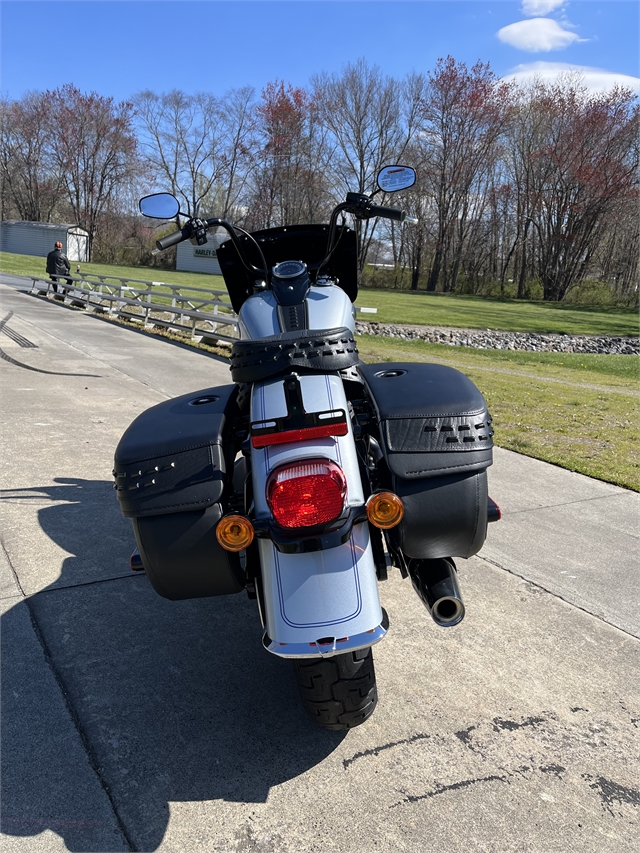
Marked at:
<point>190,258</point>
<point>38,238</point>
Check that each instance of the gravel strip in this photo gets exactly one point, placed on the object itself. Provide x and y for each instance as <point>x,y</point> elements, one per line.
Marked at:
<point>490,339</point>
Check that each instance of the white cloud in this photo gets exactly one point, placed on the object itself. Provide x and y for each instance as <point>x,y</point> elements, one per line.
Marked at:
<point>537,35</point>
<point>540,7</point>
<point>595,79</point>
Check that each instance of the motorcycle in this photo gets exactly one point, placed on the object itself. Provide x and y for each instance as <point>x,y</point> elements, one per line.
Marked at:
<point>311,474</point>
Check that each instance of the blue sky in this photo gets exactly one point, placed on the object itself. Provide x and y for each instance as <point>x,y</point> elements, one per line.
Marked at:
<point>117,48</point>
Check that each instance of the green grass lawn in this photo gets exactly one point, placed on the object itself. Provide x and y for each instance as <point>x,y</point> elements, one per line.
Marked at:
<point>31,265</point>
<point>190,282</point>
<point>577,411</point>
<point>433,309</point>
<point>473,312</point>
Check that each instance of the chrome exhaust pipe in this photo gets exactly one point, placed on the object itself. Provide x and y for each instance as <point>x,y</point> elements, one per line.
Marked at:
<point>436,583</point>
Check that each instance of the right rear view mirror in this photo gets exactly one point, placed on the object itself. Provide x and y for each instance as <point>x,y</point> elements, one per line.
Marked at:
<point>394,178</point>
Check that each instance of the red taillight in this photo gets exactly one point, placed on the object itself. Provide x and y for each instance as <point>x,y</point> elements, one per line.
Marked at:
<point>306,493</point>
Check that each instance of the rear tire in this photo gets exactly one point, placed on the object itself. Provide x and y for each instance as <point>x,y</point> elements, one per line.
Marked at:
<point>338,692</point>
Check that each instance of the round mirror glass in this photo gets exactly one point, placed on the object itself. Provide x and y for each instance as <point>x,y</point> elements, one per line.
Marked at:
<point>159,206</point>
<point>394,178</point>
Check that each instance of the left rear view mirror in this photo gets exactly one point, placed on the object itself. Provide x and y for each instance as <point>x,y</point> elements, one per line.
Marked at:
<point>160,206</point>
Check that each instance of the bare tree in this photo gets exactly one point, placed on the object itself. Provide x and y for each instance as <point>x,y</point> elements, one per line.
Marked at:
<point>282,117</point>
<point>181,139</point>
<point>94,149</point>
<point>535,185</point>
<point>238,145</point>
<point>524,135</point>
<point>412,245</point>
<point>31,181</point>
<point>371,119</point>
<point>462,115</point>
<point>617,259</point>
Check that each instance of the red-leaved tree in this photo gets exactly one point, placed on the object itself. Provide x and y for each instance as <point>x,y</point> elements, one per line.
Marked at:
<point>581,171</point>
<point>288,185</point>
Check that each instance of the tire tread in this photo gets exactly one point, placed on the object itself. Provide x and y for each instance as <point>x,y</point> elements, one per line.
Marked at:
<point>338,692</point>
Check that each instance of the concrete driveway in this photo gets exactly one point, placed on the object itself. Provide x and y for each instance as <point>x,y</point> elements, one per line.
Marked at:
<point>134,723</point>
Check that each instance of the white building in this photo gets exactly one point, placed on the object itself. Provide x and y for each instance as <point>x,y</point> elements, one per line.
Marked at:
<point>190,258</point>
<point>39,238</point>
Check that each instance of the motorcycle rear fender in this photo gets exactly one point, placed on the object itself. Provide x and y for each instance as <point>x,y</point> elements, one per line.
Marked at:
<point>324,602</point>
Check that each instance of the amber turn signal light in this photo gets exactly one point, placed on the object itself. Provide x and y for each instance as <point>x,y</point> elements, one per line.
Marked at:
<point>234,532</point>
<point>384,509</point>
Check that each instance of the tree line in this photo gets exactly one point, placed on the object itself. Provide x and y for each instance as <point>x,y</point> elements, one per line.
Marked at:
<point>522,190</point>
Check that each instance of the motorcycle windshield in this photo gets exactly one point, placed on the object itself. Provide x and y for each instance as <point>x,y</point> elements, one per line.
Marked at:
<point>306,243</point>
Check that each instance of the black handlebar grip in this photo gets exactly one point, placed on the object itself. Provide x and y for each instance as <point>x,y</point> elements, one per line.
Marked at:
<point>171,240</point>
<point>388,213</point>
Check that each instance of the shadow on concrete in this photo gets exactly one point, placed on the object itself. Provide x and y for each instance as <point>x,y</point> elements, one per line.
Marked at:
<point>174,701</point>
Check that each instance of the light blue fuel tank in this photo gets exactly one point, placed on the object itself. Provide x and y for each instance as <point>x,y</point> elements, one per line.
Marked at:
<point>328,307</point>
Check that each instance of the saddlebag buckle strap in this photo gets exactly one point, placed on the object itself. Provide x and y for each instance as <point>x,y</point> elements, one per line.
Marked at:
<point>327,350</point>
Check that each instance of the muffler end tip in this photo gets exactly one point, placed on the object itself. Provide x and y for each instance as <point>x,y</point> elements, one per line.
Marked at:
<point>436,583</point>
<point>448,612</point>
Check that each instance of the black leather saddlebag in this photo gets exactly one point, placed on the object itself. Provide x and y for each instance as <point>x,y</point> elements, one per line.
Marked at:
<point>436,437</point>
<point>171,479</point>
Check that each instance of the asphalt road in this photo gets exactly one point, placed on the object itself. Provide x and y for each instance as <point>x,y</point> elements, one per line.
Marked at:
<point>134,723</point>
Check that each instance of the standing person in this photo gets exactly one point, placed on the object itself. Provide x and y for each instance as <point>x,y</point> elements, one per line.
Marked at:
<point>58,266</point>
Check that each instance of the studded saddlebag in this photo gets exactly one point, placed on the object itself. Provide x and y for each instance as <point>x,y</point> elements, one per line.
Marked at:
<point>436,437</point>
<point>171,479</point>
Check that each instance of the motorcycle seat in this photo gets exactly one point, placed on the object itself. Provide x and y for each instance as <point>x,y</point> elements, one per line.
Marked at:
<point>325,350</point>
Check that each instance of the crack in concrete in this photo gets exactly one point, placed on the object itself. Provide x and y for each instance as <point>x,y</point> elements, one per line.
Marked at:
<point>455,786</point>
<point>625,493</point>
<point>52,589</point>
<point>558,596</point>
<point>376,750</point>
<point>610,792</point>
<point>12,569</point>
<point>465,736</point>
<point>65,694</point>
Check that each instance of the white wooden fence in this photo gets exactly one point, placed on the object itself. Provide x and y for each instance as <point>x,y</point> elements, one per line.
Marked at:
<point>200,310</point>
<point>152,303</point>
